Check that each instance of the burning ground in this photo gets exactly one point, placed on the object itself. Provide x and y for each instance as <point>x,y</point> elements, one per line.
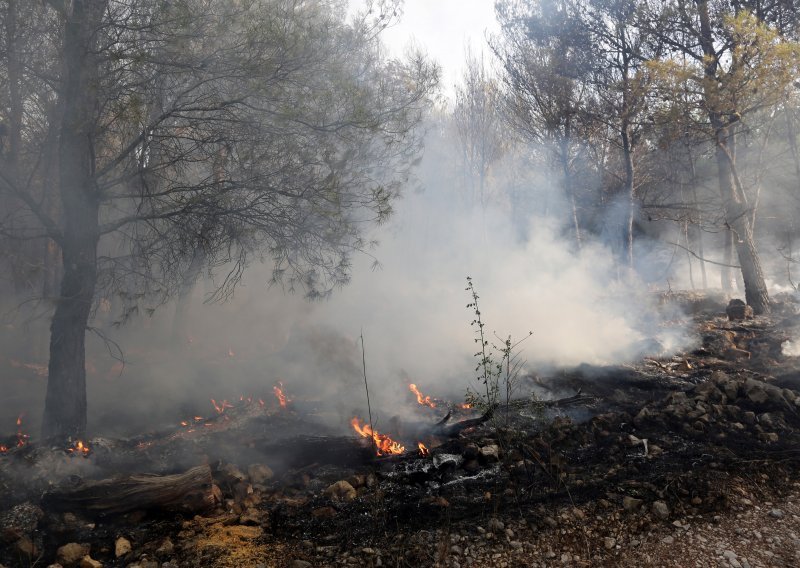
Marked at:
<point>618,465</point>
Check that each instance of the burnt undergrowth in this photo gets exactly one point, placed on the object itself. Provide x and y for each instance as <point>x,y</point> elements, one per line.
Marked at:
<point>686,431</point>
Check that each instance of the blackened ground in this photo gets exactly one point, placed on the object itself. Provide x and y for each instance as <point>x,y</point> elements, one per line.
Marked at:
<point>655,450</point>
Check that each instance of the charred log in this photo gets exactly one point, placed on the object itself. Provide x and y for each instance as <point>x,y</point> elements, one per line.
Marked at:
<point>190,492</point>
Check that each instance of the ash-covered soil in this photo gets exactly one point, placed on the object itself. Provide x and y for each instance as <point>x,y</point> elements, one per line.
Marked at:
<point>689,460</point>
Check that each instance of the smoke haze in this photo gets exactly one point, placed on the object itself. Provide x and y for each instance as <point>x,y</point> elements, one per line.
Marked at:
<point>581,306</point>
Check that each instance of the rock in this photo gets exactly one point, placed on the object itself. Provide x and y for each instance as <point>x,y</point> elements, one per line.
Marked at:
<point>668,539</point>
<point>71,554</point>
<point>357,481</point>
<point>768,437</point>
<point>755,392</point>
<point>456,550</point>
<point>495,525</point>
<point>609,542</point>
<point>472,466</point>
<point>88,562</point>
<point>631,503</point>
<point>660,510</point>
<point>232,473</point>
<point>21,519</point>
<point>341,491</point>
<point>737,310</point>
<point>732,559</point>
<point>490,453</point>
<point>550,522</point>
<point>122,546</point>
<point>776,513</point>
<point>259,473</point>
<point>300,564</point>
<point>471,451</point>
<point>166,548</point>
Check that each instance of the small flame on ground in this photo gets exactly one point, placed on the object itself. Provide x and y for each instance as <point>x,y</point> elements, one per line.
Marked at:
<point>220,408</point>
<point>283,400</point>
<point>231,353</point>
<point>423,451</point>
<point>384,444</point>
<point>465,406</point>
<point>424,400</point>
<point>79,448</point>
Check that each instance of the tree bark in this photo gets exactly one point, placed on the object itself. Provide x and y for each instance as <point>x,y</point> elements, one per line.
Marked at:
<point>190,492</point>
<point>736,214</point>
<point>65,403</point>
<point>568,188</point>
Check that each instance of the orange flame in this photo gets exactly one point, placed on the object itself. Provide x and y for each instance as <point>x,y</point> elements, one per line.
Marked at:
<point>22,438</point>
<point>424,400</point>
<point>384,444</point>
<point>3,449</point>
<point>282,398</point>
<point>79,449</point>
<point>423,451</point>
<point>465,406</point>
<point>220,408</point>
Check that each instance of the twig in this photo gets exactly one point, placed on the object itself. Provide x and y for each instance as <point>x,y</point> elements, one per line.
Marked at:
<point>694,254</point>
<point>366,385</point>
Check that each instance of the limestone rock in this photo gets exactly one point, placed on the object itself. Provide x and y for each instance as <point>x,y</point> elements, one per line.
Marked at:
<point>89,562</point>
<point>122,546</point>
<point>341,491</point>
<point>71,554</point>
<point>259,473</point>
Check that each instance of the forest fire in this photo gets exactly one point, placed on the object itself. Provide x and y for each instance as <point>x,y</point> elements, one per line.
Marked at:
<point>283,400</point>
<point>423,400</point>
<point>22,438</point>
<point>79,449</point>
<point>423,450</point>
<point>385,445</point>
<point>221,406</point>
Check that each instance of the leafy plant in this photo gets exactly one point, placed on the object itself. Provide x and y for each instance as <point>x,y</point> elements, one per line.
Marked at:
<point>497,364</point>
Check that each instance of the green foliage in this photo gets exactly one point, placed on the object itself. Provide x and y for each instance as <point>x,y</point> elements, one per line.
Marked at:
<point>755,72</point>
<point>498,365</point>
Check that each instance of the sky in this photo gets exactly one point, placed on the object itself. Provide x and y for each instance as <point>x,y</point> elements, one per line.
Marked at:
<point>444,28</point>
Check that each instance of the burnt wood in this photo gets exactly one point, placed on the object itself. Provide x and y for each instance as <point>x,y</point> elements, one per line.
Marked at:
<point>190,492</point>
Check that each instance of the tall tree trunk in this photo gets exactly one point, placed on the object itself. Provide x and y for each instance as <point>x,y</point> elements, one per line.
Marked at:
<point>738,219</point>
<point>568,189</point>
<point>65,403</point>
<point>736,214</point>
<point>630,193</point>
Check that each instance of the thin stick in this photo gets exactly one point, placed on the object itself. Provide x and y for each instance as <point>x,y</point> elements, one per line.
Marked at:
<point>366,386</point>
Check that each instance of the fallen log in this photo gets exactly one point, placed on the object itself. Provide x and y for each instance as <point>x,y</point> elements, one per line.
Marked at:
<point>300,451</point>
<point>190,492</point>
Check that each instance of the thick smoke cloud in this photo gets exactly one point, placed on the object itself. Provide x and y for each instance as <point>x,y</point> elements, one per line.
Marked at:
<point>581,306</point>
